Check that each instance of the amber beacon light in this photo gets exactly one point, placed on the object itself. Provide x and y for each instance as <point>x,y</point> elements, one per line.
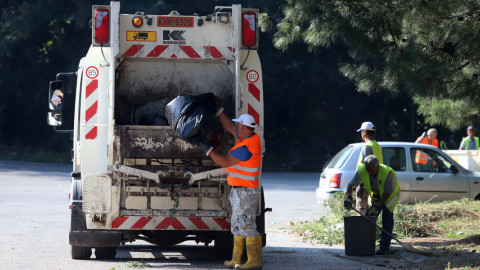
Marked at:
<point>137,21</point>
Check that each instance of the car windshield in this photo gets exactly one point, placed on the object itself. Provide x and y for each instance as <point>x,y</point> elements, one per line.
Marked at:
<point>339,159</point>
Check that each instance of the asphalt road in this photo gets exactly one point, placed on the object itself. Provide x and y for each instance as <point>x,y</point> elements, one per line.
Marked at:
<point>34,226</point>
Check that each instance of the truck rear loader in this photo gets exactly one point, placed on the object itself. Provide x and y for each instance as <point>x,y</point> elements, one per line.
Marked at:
<point>132,178</point>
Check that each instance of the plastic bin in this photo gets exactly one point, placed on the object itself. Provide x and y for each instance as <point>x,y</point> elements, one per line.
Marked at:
<point>470,159</point>
<point>359,236</point>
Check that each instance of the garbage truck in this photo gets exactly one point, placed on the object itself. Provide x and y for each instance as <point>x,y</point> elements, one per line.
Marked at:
<point>132,178</point>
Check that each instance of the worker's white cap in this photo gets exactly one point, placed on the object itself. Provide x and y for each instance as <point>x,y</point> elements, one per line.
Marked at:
<point>366,126</point>
<point>246,119</point>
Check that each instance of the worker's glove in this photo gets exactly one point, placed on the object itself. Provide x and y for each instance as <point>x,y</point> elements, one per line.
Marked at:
<point>424,134</point>
<point>375,211</point>
<point>205,147</point>
<point>219,111</point>
<point>348,202</point>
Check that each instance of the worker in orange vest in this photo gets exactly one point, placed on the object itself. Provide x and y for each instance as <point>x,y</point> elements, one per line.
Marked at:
<point>422,159</point>
<point>243,164</point>
<point>429,137</point>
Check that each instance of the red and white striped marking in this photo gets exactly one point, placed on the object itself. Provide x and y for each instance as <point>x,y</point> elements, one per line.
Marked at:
<point>254,107</point>
<point>91,113</point>
<point>167,223</point>
<point>178,51</point>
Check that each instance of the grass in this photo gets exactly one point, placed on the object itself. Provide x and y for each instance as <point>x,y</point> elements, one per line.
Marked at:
<point>451,219</point>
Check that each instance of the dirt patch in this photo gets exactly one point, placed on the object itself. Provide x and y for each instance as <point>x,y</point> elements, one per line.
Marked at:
<point>452,254</point>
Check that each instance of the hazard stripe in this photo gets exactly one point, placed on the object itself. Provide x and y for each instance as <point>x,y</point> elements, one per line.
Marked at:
<point>230,48</point>
<point>222,223</point>
<point>92,134</point>
<point>254,113</point>
<point>116,223</point>
<point>170,222</point>
<point>133,50</point>
<point>252,88</point>
<point>214,52</point>
<point>141,223</point>
<point>91,87</point>
<point>199,223</point>
<point>157,51</point>
<point>190,52</point>
<point>91,111</point>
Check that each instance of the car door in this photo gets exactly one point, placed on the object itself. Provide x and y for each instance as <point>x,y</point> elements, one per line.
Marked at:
<point>432,180</point>
<point>395,158</point>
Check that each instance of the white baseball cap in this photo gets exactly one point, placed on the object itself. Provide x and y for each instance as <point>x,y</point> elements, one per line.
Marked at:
<point>366,126</point>
<point>246,119</point>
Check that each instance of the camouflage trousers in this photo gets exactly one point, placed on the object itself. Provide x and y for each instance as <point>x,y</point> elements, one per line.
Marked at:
<point>244,203</point>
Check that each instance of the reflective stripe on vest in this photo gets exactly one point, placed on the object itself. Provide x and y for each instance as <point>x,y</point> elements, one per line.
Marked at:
<point>382,175</point>
<point>377,151</point>
<point>246,173</point>
<point>467,142</point>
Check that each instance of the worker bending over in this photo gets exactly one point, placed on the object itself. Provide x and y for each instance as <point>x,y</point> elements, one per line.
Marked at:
<point>381,183</point>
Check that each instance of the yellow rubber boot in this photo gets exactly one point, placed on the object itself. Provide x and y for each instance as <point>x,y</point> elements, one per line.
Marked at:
<point>254,252</point>
<point>238,247</point>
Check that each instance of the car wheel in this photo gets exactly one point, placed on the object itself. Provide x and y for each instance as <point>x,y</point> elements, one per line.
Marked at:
<point>81,253</point>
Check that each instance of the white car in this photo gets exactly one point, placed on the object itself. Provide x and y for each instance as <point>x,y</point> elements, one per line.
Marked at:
<point>440,179</point>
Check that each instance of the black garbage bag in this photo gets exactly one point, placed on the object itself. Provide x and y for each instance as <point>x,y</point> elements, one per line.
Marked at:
<point>150,114</point>
<point>193,119</point>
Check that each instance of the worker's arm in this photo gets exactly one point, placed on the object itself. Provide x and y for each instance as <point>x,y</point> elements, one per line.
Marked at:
<point>224,161</point>
<point>420,138</point>
<point>462,145</point>
<point>227,124</point>
<point>383,199</point>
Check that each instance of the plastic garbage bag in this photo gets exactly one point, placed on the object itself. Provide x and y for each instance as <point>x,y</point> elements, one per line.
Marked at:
<point>150,114</point>
<point>193,119</point>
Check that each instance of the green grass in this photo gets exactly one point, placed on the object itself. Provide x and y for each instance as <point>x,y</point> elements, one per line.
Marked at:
<point>451,219</point>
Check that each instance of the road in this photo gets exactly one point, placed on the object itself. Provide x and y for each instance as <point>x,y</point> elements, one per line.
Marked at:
<point>34,221</point>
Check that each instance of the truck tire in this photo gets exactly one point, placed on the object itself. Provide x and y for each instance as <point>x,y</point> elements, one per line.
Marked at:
<point>105,253</point>
<point>260,220</point>
<point>223,245</point>
<point>81,253</point>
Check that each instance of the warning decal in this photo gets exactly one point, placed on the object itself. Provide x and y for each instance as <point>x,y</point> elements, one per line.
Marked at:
<point>91,72</point>
<point>252,76</point>
<point>141,36</point>
<point>168,21</point>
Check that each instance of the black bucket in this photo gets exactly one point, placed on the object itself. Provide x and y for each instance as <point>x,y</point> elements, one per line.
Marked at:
<point>359,236</point>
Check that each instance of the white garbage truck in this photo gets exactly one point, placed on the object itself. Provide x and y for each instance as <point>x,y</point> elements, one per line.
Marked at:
<point>132,178</point>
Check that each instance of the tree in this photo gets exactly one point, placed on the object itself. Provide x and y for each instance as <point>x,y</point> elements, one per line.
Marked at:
<point>424,48</point>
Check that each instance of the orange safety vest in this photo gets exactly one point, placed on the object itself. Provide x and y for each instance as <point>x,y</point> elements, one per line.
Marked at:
<point>246,173</point>
<point>421,158</point>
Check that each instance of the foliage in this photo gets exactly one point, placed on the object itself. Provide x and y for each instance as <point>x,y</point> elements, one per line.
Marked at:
<point>427,49</point>
<point>311,109</point>
<point>327,229</point>
<point>452,219</point>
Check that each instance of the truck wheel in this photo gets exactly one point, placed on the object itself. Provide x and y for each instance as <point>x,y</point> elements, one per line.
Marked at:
<point>81,253</point>
<point>260,220</point>
<point>105,253</point>
<point>223,245</point>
